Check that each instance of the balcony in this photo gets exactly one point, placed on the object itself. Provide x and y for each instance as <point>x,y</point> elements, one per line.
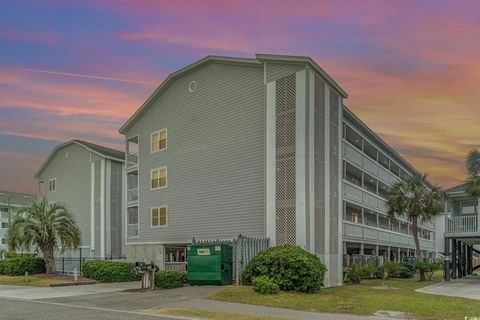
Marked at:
<point>132,195</point>
<point>358,194</point>
<point>132,150</point>
<point>462,226</point>
<point>132,160</point>
<point>368,165</point>
<point>360,232</point>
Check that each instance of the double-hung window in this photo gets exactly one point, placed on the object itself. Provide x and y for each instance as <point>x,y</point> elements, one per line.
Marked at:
<point>159,216</point>
<point>158,178</point>
<point>158,140</point>
<point>52,185</point>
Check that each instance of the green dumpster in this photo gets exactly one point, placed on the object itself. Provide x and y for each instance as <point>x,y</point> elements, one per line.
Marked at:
<point>209,264</point>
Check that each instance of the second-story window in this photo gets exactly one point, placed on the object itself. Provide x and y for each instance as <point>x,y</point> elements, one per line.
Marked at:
<point>158,178</point>
<point>52,185</point>
<point>158,140</point>
<point>159,216</point>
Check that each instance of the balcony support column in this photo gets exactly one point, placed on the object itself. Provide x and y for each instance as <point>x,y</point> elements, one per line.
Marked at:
<point>447,259</point>
<point>454,259</point>
<point>459,259</point>
<point>465,259</point>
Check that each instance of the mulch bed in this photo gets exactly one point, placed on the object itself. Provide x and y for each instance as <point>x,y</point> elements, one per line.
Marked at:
<point>59,277</point>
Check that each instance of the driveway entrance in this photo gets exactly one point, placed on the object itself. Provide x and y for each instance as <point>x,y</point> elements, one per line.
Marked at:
<point>466,287</point>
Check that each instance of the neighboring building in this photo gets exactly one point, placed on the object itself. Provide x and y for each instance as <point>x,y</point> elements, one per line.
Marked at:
<point>260,147</point>
<point>461,231</point>
<point>88,179</point>
<point>11,203</point>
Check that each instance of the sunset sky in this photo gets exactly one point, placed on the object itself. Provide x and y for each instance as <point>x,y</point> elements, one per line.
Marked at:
<point>79,69</point>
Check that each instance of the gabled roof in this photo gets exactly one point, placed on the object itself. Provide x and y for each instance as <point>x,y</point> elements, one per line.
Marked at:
<point>92,147</point>
<point>16,198</point>
<point>461,188</point>
<point>258,60</point>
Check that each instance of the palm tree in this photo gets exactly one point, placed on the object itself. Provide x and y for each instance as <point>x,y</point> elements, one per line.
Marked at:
<point>472,162</point>
<point>412,198</point>
<point>44,225</point>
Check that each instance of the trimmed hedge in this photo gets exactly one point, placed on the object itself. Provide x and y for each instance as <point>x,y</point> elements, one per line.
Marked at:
<point>265,285</point>
<point>290,267</point>
<point>169,279</point>
<point>19,265</point>
<point>109,271</point>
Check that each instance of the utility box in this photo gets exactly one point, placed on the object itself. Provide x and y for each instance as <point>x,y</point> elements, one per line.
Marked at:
<point>209,264</point>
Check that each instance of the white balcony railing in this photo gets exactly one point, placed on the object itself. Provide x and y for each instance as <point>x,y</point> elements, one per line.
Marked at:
<point>462,224</point>
<point>132,195</point>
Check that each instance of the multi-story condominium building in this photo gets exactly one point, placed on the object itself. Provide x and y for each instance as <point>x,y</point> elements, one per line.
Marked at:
<point>260,147</point>
<point>11,203</point>
<point>88,179</point>
<point>370,167</point>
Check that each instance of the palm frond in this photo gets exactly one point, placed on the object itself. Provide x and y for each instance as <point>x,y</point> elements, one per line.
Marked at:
<point>472,162</point>
<point>473,186</point>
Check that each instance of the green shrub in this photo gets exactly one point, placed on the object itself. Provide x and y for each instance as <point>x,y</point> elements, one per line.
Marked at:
<point>109,271</point>
<point>391,269</point>
<point>169,279</point>
<point>356,273</point>
<point>407,270</point>
<point>290,267</point>
<point>18,266</point>
<point>369,271</point>
<point>429,268</point>
<point>265,285</point>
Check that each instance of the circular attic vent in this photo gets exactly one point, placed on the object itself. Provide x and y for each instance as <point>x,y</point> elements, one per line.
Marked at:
<point>192,86</point>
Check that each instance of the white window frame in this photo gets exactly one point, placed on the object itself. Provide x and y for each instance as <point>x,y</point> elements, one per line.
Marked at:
<point>131,224</point>
<point>166,217</point>
<point>41,191</point>
<point>166,140</point>
<point>50,180</point>
<point>166,178</point>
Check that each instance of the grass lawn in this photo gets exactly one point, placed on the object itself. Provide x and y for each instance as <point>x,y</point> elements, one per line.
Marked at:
<point>365,298</point>
<point>201,314</point>
<point>32,281</point>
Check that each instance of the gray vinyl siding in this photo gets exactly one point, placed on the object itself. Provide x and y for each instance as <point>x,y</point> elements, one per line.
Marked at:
<point>214,157</point>
<point>73,184</point>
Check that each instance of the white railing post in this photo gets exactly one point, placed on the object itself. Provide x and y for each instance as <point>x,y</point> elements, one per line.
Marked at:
<point>478,220</point>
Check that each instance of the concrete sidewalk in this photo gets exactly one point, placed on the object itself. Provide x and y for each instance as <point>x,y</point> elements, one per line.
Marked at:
<point>467,287</point>
<point>33,293</point>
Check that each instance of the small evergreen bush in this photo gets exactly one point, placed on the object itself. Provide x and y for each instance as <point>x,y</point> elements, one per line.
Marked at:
<point>407,270</point>
<point>290,267</point>
<point>19,265</point>
<point>265,285</point>
<point>109,271</point>
<point>169,279</point>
